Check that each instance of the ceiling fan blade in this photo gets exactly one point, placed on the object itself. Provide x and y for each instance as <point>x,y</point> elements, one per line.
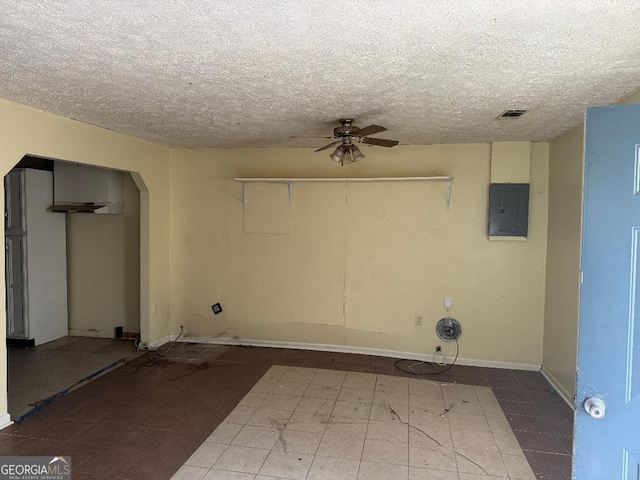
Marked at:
<point>310,137</point>
<point>382,142</point>
<point>328,146</point>
<point>370,130</point>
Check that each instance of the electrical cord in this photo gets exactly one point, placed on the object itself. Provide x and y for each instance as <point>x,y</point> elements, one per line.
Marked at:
<point>440,354</point>
<point>157,350</point>
<point>420,375</point>
<point>172,344</point>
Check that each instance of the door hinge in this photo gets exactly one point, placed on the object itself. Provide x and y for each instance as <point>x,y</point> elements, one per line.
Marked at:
<point>581,276</point>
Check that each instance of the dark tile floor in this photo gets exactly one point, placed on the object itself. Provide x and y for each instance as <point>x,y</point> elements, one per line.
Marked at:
<point>72,358</point>
<point>145,418</point>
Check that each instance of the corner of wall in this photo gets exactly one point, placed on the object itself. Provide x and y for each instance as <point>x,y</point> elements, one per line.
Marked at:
<point>633,97</point>
<point>564,236</point>
<point>564,232</point>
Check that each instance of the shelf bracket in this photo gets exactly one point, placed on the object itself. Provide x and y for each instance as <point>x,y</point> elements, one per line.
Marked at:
<point>449,186</point>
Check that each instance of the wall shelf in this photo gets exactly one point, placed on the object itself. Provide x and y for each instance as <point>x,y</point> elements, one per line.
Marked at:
<point>291,181</point>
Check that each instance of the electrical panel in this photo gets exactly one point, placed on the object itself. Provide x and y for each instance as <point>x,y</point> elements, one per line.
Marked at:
<point>508,209</point>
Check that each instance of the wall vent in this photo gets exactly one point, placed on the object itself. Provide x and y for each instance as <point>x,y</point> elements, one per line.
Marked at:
<point>512,113</point>
<point>448,329</point>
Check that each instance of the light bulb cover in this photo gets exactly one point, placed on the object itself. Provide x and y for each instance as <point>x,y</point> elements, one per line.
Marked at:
<point>356,154</point>
<point>348,155</point>
<point>337,154</point>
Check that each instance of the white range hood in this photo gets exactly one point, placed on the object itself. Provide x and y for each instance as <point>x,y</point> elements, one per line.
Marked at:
<point>84,189</point>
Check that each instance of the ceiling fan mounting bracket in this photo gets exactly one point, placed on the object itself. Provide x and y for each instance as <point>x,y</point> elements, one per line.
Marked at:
<point>346,130</point>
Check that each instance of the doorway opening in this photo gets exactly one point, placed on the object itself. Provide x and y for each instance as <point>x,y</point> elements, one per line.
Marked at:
<point>72,272</point>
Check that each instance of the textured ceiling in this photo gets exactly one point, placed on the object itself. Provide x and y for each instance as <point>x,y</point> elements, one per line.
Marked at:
<point>252,73</point>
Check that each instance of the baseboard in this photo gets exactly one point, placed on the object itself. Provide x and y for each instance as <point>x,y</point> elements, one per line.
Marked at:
<point>78,332</point>
<point>161,341</point>
<point>559,388</point>
<point>344,349</point>
<point>21,342</point>
<point>5,420</point>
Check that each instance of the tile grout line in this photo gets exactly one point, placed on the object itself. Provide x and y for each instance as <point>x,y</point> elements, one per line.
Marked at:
<point>493,434</point>
<point>315,455</point>
<point>375,383</point>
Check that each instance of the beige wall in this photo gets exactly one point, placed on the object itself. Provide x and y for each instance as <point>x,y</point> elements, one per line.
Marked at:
<point>563,258</point>
<point>566,160</point>
<point>633,97</point>
<point>103,274</point>
<point>24,130</point>
<point>362,259</point>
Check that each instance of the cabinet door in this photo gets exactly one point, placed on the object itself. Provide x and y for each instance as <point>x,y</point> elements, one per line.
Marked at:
<point>15,241</point>
<point>15,281</point>
<point>14,221</point>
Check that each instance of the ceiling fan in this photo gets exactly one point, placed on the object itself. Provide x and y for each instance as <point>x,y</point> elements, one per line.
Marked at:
<point>348,135</point>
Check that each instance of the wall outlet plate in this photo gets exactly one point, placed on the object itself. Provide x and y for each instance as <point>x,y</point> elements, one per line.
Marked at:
<point>217,308</point>
<point>418,319</point>
<point>448,303</point>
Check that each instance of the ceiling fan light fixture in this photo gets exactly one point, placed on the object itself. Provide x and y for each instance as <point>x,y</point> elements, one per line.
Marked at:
<point>347,134</point>
<point>337,154</point>
<point>356,154</point>
<point>346,160</point>
<point>348,157</point>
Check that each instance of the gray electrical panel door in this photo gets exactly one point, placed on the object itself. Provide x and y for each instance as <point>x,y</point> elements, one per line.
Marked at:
<point>508,209</point>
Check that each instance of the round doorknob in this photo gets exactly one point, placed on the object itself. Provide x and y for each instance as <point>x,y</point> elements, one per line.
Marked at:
<point>595,407</point>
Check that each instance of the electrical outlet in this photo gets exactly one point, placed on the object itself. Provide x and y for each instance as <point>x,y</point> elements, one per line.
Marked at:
<point>448,303</point>
<point>419,319</point>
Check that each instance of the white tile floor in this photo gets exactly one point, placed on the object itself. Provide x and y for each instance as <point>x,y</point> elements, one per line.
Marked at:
<point>310,424</point>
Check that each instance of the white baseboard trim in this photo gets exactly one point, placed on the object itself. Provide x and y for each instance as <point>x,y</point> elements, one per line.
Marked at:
<point>5,420</point>
<point>344,349</point>
<point>161,341</point>
<point>77,332</point>
<point>559,388</point>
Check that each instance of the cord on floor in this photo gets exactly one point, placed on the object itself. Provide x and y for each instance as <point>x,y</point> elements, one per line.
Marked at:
<point>421,375</point>
<point>157,350</point>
